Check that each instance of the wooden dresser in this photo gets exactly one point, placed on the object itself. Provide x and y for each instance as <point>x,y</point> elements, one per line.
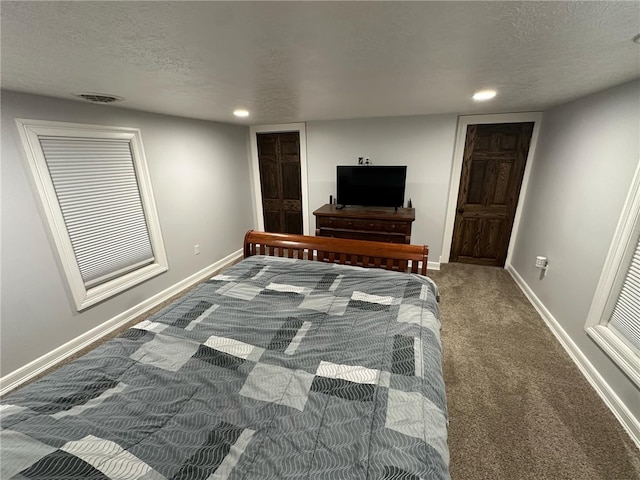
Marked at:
<point>381,224</point>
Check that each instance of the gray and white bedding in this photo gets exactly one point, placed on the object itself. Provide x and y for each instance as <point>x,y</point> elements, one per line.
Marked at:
<point>276,369</point>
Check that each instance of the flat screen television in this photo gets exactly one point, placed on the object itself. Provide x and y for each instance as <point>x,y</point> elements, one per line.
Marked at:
<point>371,185</point>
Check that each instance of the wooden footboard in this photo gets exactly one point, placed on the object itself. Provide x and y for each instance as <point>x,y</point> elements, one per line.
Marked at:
<point>390,256</point>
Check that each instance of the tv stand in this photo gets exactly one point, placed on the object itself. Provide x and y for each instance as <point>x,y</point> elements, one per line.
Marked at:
<point>381,224</point>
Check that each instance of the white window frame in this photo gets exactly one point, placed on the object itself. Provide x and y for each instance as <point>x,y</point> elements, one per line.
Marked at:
<point>615,268</point>
<point>84,297</point>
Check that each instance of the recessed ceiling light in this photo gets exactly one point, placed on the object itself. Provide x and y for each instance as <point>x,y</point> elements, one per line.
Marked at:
<point>241,113</point>
<point>636,38</point>
<point>484,95</point>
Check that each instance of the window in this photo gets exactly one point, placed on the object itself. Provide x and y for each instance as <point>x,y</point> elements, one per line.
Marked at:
<point>614,318</point>
<point>96,193</point>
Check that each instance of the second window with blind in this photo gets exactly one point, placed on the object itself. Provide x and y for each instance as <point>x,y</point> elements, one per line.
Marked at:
<point>614,317</point>
<point>96,193</point>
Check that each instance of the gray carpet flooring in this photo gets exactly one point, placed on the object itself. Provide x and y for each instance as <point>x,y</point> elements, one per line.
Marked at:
<point>518,406</point>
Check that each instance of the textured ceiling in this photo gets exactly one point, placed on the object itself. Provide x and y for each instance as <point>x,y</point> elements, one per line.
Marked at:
<point>297,61</point>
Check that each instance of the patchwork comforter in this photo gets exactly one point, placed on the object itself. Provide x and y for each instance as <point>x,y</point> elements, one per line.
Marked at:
<point>276,369</point>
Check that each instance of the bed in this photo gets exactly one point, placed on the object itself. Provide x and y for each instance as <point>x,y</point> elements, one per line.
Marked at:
<point>294,363</point>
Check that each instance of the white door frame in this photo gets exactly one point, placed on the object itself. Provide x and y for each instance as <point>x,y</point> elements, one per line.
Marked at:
<point>255,169</point>
<point>456,171</point>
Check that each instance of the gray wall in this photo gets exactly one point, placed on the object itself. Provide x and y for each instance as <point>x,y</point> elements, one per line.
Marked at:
<point>423,143</point>
<point>586,156</point>
<point>200,176</point>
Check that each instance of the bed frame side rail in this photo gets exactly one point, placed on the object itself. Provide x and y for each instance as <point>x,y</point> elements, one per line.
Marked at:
<point>363,253</point>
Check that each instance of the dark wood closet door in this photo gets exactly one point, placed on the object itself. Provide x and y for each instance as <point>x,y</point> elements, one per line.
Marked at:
<point>492,170</point>
<point>279,160</point>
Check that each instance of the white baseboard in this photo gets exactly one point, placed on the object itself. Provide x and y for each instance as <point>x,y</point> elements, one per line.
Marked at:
<point>430,266</point>
<point>619,409</point>
<point>39,365</point>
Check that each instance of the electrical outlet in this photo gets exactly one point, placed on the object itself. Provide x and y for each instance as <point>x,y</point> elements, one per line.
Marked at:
<point>196,249</point>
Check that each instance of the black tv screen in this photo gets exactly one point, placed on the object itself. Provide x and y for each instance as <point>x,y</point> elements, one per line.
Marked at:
<point>371,185</point>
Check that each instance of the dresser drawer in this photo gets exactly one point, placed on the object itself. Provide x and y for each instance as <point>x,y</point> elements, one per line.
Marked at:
<point>365,224</point>
<point>375,236</point>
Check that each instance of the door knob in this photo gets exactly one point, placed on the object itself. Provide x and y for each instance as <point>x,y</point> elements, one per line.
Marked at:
<point>461,210</point>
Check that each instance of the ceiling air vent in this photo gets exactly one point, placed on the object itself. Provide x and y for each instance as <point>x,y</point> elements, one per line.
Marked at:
<point>98,97</point>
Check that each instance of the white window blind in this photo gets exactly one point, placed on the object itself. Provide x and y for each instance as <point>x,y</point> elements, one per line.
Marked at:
<point>97,189</point>
<point>626,313</point>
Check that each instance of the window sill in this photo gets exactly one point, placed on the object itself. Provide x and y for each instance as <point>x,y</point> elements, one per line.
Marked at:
<point>624,356</point>
<point>85,298</point>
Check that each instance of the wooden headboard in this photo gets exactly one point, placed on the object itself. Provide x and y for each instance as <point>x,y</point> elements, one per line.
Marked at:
<point>390,256</point>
